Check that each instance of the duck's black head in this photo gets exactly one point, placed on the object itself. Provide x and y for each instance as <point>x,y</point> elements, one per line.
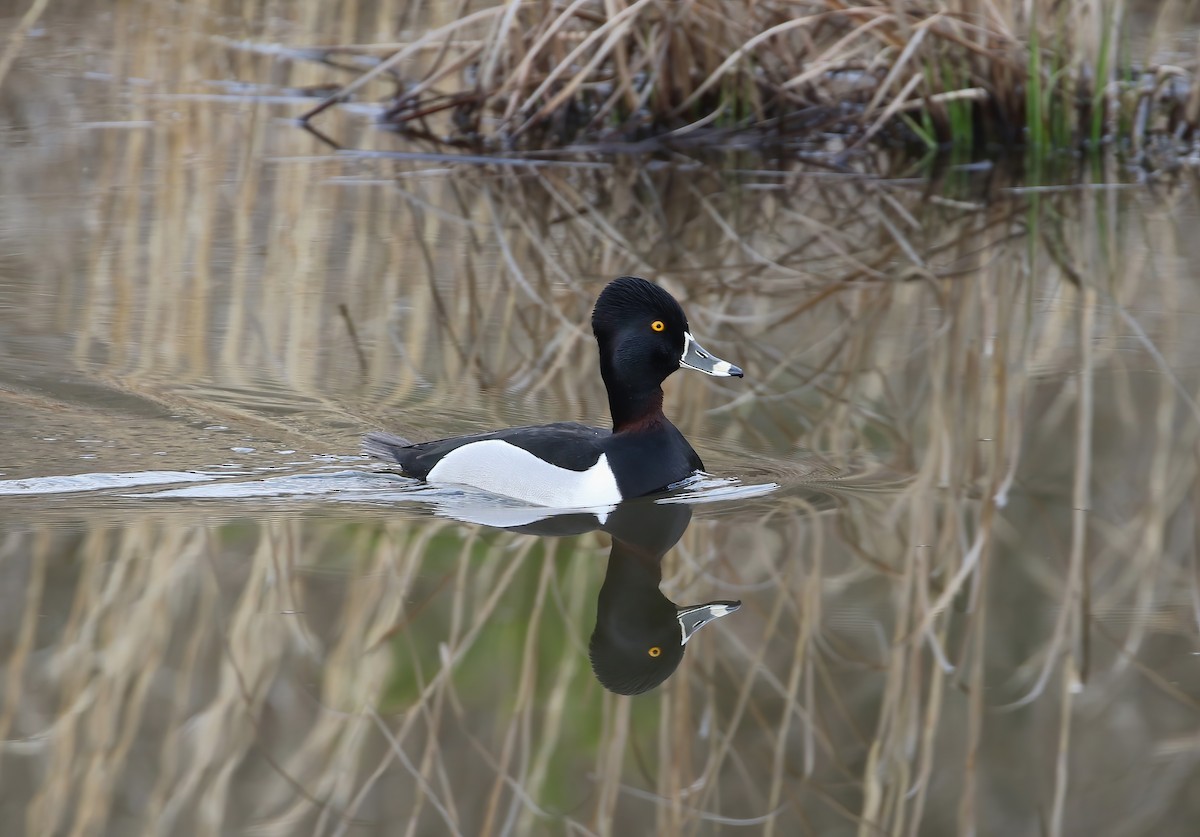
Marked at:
<point>643,337</point>
<point>640,329</point>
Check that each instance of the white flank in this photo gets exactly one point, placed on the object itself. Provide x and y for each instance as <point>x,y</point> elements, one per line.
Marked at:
<point>505,469</point>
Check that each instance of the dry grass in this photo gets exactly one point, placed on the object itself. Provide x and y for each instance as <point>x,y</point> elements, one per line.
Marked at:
<point>997,75</point>
<point>988,625</point>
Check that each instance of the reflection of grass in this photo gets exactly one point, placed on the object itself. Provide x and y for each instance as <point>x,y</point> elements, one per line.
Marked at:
<point>978,368</point>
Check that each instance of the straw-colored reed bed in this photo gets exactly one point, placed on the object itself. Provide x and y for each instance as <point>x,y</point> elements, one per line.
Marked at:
<point>988,626</point>
<point>827,75</point>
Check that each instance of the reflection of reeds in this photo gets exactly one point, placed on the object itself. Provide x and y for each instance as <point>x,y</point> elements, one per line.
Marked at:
<point>996,601</point>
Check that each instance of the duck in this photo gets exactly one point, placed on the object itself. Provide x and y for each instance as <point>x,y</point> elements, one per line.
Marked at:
<point>643,337</point>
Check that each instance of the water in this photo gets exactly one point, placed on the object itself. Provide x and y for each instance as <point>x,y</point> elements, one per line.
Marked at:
<point>955,492</point>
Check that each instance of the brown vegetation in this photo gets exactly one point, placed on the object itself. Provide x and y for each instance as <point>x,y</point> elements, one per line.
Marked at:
<point>993,75</point>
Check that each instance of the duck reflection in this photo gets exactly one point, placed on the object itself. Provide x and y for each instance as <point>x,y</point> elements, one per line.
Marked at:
<point>640,634</point>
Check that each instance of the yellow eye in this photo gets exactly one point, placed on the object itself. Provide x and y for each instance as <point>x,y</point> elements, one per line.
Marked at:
<point>658,325</point>
<point>655,651</point>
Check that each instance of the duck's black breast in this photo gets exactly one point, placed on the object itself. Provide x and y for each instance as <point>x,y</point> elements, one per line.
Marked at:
<point>650,458</point>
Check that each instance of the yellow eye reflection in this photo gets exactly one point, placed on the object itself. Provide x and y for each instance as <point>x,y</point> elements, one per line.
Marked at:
<point>655,651</point>
<point>658,325</point>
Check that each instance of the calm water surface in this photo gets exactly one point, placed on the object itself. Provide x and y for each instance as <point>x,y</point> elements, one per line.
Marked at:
<point>956,492</point>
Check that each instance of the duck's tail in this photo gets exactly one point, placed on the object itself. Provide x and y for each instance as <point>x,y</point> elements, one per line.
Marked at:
<point>385,446</point>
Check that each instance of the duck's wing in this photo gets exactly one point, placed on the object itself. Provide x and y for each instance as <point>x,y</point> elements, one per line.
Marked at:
<point>568,445</point>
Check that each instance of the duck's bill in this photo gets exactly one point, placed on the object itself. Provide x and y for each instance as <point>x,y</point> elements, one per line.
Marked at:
<point>696,357</point>
<point>692,619</point>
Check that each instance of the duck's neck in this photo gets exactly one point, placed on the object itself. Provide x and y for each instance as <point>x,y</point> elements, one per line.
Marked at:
<point>635,409</point>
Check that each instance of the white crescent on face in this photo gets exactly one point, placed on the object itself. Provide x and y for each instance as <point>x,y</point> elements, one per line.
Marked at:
<point>505,469</point>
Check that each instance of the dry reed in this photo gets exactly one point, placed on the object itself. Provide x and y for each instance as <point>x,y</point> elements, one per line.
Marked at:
<point>822,75</point>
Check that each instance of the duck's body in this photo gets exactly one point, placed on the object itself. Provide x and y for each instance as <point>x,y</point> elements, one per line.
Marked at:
<point>566,464</point>
<point>643,338</point>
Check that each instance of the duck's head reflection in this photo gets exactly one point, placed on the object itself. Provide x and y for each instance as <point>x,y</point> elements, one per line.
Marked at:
<point>640,634</point>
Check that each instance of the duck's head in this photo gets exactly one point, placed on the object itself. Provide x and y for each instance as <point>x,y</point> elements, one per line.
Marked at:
<point>644,337</point>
